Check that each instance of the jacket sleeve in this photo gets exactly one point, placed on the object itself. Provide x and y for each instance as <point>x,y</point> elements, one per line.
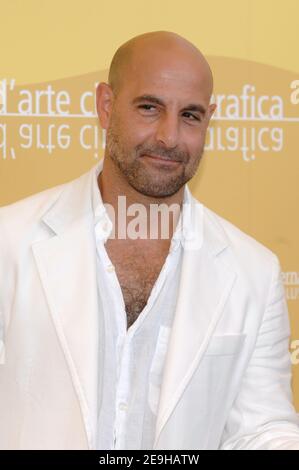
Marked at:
<point>6,286</point>
<point>263,416</point>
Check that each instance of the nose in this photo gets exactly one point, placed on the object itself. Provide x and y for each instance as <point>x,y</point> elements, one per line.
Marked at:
<point>168,131</point>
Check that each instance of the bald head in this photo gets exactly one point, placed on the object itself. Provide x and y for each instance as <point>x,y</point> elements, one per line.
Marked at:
<point>147,47</point>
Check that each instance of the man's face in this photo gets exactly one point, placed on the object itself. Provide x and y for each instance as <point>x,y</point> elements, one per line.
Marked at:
<point>157,126</point>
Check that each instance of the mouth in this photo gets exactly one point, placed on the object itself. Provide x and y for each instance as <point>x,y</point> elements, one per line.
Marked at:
<point>161,160</point>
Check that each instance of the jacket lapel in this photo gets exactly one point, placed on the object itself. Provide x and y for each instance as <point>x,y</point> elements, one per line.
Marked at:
<point>67,267</point>
<point>205,284</point>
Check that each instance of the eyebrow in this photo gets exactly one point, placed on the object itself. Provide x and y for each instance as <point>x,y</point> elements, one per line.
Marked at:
<point>154,99</point>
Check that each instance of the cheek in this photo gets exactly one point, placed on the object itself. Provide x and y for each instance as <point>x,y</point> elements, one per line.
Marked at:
<point>138,133</point>
<point>195,141</point>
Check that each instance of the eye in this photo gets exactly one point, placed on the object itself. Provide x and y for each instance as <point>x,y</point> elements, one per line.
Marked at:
<point>147,107</point>
<point>191,117</point>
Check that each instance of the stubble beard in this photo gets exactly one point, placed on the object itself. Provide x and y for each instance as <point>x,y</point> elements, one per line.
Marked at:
<point>137,174</point>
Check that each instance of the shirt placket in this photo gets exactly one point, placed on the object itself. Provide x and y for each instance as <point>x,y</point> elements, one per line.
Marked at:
<point>122,391</point>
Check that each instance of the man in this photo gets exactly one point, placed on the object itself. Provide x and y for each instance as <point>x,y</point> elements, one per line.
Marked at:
<point>112,341</point>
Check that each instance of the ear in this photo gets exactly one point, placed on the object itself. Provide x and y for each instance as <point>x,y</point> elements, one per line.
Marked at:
<point>211,110</point>
<point>104,100</point>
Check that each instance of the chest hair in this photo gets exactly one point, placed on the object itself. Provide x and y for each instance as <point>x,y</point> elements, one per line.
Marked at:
<point>137,267</point>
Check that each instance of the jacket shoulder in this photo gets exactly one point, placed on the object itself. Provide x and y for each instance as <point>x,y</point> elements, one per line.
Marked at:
<point>31,208</point>
<point>244,246</point>
<point>31,205</point>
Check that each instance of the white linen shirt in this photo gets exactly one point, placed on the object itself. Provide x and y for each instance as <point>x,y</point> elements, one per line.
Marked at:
<point>131,360</point>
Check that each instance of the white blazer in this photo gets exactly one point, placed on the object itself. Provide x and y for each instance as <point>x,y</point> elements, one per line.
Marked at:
<point>227,376</point>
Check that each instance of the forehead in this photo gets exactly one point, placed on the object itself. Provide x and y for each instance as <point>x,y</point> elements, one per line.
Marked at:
<point>171,76</point>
